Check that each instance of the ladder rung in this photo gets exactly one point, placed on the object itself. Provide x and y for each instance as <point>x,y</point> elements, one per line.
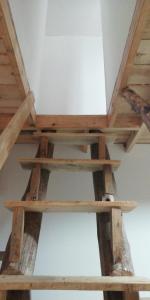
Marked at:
<point>122,283</point>
<point>71,206</point>
<point>69,164</point>
<point>71,137</point>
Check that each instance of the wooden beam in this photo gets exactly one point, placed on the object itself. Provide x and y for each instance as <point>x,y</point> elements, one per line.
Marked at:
<point>134,137</point>
<point>72,121</point>
<point>68,164</point>
<point>117,238</point>
<point>125,122</point>
<point>73,138</point>
<point>102,147</point>
<point>12,45</point>
<point>17,234</point>
<point>11,132</point>
<point>105,283</point>
<point>138,105</point>
<point>36,190</point>
<point>105,237</point>
<point>2,255</point>
<point>133,41</point>
<point>70,206</point>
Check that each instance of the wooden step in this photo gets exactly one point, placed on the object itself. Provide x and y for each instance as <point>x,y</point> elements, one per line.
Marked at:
<point>69,164</point>
<point>105,283</point>
<point>70,137</point>
<point>71,206</point>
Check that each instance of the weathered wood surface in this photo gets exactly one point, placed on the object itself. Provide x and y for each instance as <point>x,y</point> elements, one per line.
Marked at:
<point>70,137</point>
<point>36,190</point>
<point>17,234</point>
<point>131,71</point>
<point>105,237</point>
<point>104,283</point>
<point>116,236</point>
<point>69,164</point>
<point>11,132</point>
<point>71,206</point>
<point>139,105</point>
<point>14,86</point>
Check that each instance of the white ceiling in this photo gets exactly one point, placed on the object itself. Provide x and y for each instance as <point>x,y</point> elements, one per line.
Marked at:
<point>73,18</point>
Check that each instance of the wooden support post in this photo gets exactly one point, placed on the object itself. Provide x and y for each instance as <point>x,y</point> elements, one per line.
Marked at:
<point>38,187</point>
<point>138,105</point>
<point>102,147</point>
<point>105,236</point>
<point>116,239</point>
<point>17,235</point>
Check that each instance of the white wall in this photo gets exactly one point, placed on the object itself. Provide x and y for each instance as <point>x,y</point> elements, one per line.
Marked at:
<point>116,19</point>
<point>68,242</point>
<point>73,18</point>
<point>72,75</point>
<point>29,18</point>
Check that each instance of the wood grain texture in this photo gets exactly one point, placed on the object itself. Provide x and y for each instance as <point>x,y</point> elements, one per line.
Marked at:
<point>70,137</point>
<point>104,283</point>
<point>11,132</point>
<point>117,237</point>
<point>68,164</point>
<point>32,225</point>
<point>71,206</point>
<point>17,234</point>
<point>134,57</point>
<point>105,236</point>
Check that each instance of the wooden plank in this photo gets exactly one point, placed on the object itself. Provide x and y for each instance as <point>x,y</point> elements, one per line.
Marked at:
<point>133,41</point>
<point>17,234</point>
<point>71,206</point>
<point>11,132</point>
<point>9,36</point>
<point>105,283</point>
<point>71,121</point>
<point>47,122</point>
<point>68,164</point>
<point>134,137</point>
<point>70,138</point>
<point>117,239</point>
<point>7,76</point>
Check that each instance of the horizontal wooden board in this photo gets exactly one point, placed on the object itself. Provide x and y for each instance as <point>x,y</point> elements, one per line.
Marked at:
<point>105,283</point>
<point>71,206</point>
<point>71,138</point>
<point>68,164</point>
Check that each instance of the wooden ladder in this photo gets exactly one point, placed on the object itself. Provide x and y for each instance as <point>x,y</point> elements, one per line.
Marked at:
<point>117,281</point>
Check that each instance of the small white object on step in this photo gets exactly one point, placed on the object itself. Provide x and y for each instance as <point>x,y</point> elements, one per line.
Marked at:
<point>108,197</point>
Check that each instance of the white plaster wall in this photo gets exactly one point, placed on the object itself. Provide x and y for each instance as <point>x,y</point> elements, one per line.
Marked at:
<point>72,76</point>
<point>73,18</point>
<point>30,18</point>
<point>116,19</point>
<point>68,242</point>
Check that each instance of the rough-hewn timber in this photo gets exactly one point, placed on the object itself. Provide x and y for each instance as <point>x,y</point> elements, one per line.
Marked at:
<point>36,190</point>
<point>139,105</point>
<point>105,239</point>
